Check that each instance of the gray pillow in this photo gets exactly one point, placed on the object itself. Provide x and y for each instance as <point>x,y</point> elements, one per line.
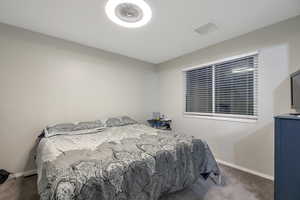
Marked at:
<point>119,121</point>
<point>61,127</point>
<point>74,129</point>
<point>88,125</point>
<point>127,120</point>
<point>113,122</point>
<point>58,128</point>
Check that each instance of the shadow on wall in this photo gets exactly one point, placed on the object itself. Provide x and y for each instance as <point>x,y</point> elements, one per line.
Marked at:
<point>30,163</point>
<point>294,54</point>
<point>281,93</point>
<point>260,144</point>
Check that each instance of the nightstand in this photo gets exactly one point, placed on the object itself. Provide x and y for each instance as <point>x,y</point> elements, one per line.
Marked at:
<point>164,124</point>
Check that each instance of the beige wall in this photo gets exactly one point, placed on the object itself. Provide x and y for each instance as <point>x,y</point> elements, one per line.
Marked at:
<point>249,145</point>
<point>44,80</point>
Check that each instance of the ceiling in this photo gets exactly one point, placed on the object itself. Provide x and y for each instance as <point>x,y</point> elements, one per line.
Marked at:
<point>169,34</point>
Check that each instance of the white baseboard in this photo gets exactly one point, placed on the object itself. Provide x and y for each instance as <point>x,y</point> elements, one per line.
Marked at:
<point>245,170</point>
<point>23,174</point>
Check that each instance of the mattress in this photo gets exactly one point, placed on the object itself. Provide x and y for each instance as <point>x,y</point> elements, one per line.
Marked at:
<point>133,162</point>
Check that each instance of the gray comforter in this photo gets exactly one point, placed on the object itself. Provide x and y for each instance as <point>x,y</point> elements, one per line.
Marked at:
<point>133,162</point>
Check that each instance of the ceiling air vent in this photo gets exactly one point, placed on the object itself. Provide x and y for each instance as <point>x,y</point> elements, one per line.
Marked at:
<point>206,28</point>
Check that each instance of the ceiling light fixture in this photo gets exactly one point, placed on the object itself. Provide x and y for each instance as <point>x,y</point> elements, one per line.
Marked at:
<point>128,13</point>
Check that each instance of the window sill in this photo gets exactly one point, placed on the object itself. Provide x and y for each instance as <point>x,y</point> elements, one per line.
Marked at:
<point>232,119</point>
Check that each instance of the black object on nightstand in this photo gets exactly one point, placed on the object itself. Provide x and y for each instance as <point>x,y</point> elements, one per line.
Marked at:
<point>164,124</point>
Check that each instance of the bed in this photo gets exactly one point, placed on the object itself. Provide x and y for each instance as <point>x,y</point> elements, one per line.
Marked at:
<point>118,161</point>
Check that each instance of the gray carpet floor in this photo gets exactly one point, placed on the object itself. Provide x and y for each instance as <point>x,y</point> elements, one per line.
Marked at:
<point>236,185</point>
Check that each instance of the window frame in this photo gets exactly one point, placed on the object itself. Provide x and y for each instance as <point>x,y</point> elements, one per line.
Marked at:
<point>219,116</point>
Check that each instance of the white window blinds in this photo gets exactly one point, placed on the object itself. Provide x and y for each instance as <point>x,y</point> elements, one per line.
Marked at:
<point>199,90</point>
<point>225,88</point>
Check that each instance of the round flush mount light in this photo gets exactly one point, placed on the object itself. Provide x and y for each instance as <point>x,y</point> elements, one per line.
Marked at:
<point>128,13</point>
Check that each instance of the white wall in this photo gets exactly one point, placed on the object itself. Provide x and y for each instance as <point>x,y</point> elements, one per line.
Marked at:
<point>249,145</point>
<point>44,80</point>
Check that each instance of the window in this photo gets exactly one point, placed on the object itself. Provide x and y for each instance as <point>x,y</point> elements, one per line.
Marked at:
<point>226,88</point>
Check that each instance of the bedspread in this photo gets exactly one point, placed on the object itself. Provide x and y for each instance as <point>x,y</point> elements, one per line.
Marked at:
<point>133,162</point>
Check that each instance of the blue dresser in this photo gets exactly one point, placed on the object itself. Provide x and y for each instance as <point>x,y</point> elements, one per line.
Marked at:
<point>287,157</point>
